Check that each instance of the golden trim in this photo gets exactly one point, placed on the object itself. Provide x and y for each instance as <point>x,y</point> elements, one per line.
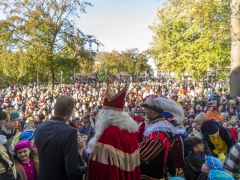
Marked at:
<point>108,107</point>
<point>109,94</point>
<point>124,161</point>
<point>157,120</point>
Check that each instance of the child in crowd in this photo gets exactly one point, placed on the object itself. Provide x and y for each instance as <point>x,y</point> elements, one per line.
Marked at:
<point>212,169</point>
<point>189,123</point>
<point>225,124</point>
<point>26,161</point>
<point>86,128</point>
<point>199,119</point>
<point>196,132</point>
<point>232,129</point>
<point>83,164</point>
<point>195,159</point>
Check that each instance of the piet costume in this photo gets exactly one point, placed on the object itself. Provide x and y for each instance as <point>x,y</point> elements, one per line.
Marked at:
<point>217,137</point>
<point>161,150</point>
<point>114,149</point>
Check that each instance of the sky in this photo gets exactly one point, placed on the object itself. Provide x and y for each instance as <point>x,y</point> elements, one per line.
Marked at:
<point>120,24</point>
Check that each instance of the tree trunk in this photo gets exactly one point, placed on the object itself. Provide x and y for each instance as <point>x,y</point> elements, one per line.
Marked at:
<point>53,80</point>
<point>201,86</point>
<point>235,49</point>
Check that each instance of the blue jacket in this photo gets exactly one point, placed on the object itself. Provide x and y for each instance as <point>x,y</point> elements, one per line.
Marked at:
<point>85,130</point>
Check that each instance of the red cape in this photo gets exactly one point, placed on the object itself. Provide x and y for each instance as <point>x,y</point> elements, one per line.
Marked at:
<point>115,157</point>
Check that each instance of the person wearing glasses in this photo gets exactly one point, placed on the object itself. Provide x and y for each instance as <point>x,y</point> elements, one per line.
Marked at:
<point>86,128</point>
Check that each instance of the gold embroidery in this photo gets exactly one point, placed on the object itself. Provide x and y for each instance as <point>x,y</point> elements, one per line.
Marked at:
<point>108,107</point>
<point>109,94</point>
<point>125,161</point>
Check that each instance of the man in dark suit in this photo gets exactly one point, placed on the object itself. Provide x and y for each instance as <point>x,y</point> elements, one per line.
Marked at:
<point>57,145</point>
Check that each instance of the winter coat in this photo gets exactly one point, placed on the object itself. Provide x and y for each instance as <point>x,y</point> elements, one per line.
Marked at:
<point>20,170</point>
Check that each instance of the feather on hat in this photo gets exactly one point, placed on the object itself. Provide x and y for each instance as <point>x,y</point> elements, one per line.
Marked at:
<point>162,104</point>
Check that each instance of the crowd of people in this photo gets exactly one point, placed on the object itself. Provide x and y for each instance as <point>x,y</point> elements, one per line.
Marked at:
<point>154,129</point>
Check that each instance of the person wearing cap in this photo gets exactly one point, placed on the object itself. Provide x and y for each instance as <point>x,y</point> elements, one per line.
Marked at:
<point>212,169</point>
<point>114,149</point>
<point>7,166</point>
<point>217,137</point>
<point>86,128</point>
<point>57,144</point>
<point>9,128</point>
<point>26,161</point>
<point>157,156</point>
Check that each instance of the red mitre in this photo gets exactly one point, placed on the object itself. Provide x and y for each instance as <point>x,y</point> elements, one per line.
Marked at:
<point>114,101</point>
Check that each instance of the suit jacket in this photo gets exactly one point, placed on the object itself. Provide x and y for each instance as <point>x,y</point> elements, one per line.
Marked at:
<point>57,151</point>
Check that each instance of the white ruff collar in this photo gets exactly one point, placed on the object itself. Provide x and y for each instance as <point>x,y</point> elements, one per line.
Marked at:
<point>164,126</point>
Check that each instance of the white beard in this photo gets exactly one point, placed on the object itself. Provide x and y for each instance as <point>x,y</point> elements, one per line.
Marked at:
<point>112,117</point>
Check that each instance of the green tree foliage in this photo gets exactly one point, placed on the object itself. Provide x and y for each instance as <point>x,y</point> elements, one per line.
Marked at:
<point>192,36</point>
<point>103,74</point>
<point>41,35</point>
<point>129,62</point>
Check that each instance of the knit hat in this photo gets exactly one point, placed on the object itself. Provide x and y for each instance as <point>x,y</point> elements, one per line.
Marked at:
<point>214,163</point>
<point>233,123</point>
<point>176,178</point>
<point>27,135</point>
<point>13,115</point>
<point>209,127</point>
<point>231,101</point>
<point>218,175</point>
<point>22,144</point>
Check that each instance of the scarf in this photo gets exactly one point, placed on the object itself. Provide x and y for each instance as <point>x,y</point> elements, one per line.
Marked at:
<point>199,156</point>
<point>195,161</point>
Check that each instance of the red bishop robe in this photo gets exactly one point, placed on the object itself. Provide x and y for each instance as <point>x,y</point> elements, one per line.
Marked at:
<point>115,157</point>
